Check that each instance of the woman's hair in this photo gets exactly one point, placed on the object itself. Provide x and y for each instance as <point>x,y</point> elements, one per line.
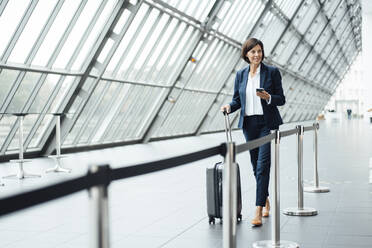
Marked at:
<point>248,45</point>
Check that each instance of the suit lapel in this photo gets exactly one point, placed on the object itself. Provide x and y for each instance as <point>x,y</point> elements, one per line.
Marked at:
<point>244,90</point>
<point>262,75</point>
<point>244,87</point>
<point>245,78</point>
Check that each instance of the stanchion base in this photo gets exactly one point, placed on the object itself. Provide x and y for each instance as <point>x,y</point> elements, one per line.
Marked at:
<point>57,156</point>
<point>314,189</point>
<point>300,212</point>
<point>20,160</point>
<point>58,169</point>
<point>22,175</point>
<point>271,244</point>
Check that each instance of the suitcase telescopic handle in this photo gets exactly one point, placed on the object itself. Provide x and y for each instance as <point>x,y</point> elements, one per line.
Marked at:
<point>227,126</point>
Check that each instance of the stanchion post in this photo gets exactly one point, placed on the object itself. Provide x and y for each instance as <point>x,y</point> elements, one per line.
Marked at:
<point>275,227</point>
<point>300,210</point>
<point>58,156</point>
<point>229,198</point>
<point>99,236</point>
<point>300,162</point>
<point>21,174</point>
<point>316,188</point>
<point>316,176</point>
<point>275,241</point>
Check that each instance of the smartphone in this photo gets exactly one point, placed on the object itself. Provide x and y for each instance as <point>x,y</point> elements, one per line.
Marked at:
<point>260,89</point>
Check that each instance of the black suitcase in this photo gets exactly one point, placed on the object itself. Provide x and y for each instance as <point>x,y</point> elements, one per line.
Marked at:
<point>214,186</point>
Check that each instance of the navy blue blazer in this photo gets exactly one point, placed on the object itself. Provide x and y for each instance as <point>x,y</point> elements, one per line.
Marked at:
<point>271,81</point>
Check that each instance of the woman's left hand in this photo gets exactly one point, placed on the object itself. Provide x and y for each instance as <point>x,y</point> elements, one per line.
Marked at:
<point>263,94</point>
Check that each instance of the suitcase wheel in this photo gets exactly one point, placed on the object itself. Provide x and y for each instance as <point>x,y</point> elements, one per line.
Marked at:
<point>240,217</point>
<point>211,220</point>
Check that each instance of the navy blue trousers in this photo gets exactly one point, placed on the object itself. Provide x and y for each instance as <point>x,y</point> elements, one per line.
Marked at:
<point>254,127</point>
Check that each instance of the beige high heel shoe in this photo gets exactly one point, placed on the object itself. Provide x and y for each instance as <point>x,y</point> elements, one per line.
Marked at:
<point>266,209</point>
<point>257,220</point>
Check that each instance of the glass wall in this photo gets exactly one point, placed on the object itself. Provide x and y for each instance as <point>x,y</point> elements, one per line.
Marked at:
<point>142,70</point>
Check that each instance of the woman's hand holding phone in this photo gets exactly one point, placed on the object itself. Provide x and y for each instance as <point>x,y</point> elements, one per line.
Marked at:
<point>260,92</point>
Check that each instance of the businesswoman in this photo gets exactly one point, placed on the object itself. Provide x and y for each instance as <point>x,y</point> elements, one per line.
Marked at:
<point>258,115</point>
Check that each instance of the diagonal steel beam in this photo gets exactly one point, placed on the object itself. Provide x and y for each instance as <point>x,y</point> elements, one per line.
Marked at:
<point>302,39</point>
<point>289,24</point>
<point>107,33</point>
<point>205,29</point>
<point>3,6</point>
<point>320,34</point>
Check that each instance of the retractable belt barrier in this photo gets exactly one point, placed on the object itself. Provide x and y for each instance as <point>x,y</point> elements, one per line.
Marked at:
<point>24,200</point>
<point>98,179</point>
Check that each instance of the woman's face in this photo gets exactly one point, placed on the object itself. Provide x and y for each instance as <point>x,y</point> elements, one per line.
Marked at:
<point>255,55</point>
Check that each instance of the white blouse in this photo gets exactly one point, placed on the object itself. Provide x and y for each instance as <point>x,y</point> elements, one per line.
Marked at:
<point>252,101</point>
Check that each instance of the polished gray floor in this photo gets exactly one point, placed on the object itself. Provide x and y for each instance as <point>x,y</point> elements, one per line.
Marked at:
<point>168,208</point>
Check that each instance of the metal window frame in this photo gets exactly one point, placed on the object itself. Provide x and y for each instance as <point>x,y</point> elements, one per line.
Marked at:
<point>18,31</point>
<point>118,65</point>
<point>156,119</point>
<point>134,39</point>
<point>107,33</point>
<point>205,63</point>
<point>302,36</point>
<point>94,64</point>
<point>150,74</point>
<point>163,70</point>
<point>91,110</point>
<point>288,27</point>
<point>142,47</point>
<point>289,3</point>
<point>331,62</point>
<point>187,81</point>
<point>336,43</point>
<point>118,118</point>
<point>339,76</point>
<point>136,93</point>
<point>128,48</point>
<point>68,67</point>
<point>134,108</point>
<point>223,70</point>
<point>155,46</point>
<point>13,41</point>
<point>278,12</point>
<point>149,94</point>
<point>328,25</point>
<point>50,62</point>
<point>242,8</point>
<point>3,6</point>
<point>40,82</point>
